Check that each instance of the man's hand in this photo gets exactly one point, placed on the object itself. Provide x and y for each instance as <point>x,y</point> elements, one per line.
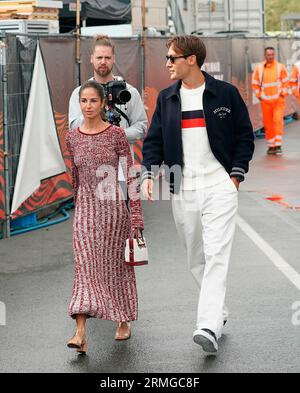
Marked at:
<point>147,189</point>
<point>235,182</point>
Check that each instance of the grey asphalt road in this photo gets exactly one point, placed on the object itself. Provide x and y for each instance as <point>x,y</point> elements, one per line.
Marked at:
<point>36,271</point>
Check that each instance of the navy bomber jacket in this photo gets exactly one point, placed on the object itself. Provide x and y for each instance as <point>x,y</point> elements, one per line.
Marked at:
<point>229,129</point>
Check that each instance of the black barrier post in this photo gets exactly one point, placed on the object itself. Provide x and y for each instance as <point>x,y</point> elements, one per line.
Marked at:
<point>3,49</point>
<point>78,40</point>
<point>143,47</point>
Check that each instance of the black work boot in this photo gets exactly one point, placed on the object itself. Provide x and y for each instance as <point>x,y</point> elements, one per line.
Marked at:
<point>278,151</point>
<point>271,150</point>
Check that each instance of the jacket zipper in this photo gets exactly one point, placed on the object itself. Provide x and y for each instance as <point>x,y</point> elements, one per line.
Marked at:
<point>179,99</point>
<point>204,110</point>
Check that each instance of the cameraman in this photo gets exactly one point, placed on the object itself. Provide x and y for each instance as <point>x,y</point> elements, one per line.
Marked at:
<point>133,116</point>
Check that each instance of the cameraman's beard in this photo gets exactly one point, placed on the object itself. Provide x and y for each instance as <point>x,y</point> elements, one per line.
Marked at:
<point>103,73</point>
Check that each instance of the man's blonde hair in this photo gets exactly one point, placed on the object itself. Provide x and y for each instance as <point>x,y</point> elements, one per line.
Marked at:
<point>102,40</point>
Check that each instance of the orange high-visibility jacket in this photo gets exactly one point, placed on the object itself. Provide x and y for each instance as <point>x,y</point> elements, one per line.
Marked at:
<point>295,79</point>
<point>270,81</point>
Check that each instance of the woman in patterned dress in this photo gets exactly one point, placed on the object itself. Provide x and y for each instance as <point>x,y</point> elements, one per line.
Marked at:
<point>104,287</point>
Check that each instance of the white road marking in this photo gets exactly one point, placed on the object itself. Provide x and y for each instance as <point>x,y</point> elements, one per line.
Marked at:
<point>291,274</point>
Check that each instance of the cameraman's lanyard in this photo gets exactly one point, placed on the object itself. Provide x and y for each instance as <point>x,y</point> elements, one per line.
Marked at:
<point>123,184</point>
<point>123,114</point>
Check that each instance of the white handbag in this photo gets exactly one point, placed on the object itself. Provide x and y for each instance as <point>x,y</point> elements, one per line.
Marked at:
<point>136,252</point>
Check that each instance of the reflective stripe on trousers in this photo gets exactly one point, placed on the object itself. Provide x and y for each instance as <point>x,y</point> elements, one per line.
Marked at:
<point>273,121</point>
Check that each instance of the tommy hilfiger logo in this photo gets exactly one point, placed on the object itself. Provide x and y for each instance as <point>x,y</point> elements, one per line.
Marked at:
<point>222,112</point>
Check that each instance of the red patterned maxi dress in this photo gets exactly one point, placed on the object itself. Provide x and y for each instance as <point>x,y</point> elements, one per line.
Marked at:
<point>104,287</point>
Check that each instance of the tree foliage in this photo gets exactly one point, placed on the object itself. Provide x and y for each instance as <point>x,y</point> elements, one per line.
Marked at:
<point>275,8</point>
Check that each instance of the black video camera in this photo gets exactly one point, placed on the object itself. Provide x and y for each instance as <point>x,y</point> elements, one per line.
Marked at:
<point>116,93</point>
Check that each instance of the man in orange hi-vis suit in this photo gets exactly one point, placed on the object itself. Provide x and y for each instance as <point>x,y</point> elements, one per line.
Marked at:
<point>270,82</point>
<point>295,80</point>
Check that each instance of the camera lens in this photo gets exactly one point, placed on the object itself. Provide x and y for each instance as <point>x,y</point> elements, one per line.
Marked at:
<point>124,96</point>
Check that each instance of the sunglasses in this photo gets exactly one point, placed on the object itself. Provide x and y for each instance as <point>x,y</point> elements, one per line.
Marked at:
<point>173,58</point>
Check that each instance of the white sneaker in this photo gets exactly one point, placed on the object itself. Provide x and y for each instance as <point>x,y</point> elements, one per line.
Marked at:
<point>207,339</point>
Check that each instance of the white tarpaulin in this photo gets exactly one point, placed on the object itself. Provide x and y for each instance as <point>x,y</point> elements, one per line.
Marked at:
<point>40,155</point>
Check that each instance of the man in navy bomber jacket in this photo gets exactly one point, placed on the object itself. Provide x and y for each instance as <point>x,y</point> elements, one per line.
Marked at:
<point>201,131</point>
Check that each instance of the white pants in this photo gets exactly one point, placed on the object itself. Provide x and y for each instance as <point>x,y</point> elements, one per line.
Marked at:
<point>212,212</point>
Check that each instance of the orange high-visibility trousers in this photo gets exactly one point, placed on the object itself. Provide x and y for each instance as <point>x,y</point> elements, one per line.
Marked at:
<point>273,121</point>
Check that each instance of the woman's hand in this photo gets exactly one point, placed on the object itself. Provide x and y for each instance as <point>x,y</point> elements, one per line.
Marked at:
<point>137,234</point>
